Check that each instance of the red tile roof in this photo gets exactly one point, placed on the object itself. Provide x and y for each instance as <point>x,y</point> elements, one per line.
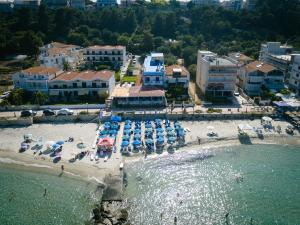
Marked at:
<point>41,70</point>
<point>260,66</point>
<point>146,91</point>
<point>85,75</point>
<point>169,70</point>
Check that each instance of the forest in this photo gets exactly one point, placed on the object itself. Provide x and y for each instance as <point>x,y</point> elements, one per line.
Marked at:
<point>176,31</point>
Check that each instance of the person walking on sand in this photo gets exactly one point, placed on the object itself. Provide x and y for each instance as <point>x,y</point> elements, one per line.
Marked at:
<point>62,168</point>
<point>45,192</point>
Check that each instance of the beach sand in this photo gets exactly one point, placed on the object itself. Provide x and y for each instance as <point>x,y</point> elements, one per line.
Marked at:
<point>11,137</point>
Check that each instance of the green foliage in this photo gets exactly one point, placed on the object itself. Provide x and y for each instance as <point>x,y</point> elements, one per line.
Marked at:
<point>129,79</point>
<point>212,110</point>
<point>117,76</point>
<point>285,91</point>
<point>40,98</point>
<point>193,70</point>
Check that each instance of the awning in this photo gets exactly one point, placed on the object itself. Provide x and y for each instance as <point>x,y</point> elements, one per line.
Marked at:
<point>106,142</point>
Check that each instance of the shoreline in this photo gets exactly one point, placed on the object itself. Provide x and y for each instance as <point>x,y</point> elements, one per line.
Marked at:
<point>218,143</point>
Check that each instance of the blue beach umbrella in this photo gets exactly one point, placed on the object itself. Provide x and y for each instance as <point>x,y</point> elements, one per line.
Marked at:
<point>107,126</point>
<point>113,132</point>
<point>137,131</point>
<point>127,126</point>
<point>60,142</point>
<point>126,137</point>
<point>137,136</point>
<point>159,135</point>
<point>149,141</point>
<point>170,133</point>
<point>126,132</point>
<point>148,125</point>
<point>160,140</point>
<point>148,130</point>
<point>172,138</point>
<point>159,130</point>
<point>169,129</point>
<point>115,126</point>
<point>136,142</point>
<point>125,143</point>
<point>127,121</point>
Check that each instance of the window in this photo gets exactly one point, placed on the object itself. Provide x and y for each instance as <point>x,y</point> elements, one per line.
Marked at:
<point>87,52</point>
<point>113,58</point>
<point>75,93</point>
<point>64,86</point>
<point>74,85</point>
<point>103,85</point>
<point>157,79</point>
<point>94,93</point>
<point>88,58</point>
<point>84,84</point>
<point>93,58</point>
<point>147,79</point>
<point>105,52</point>
<point>119,58</point>
<point>94,85</point>
<point>55,86</point>
<point>93,52</point>
<point>297,75</point>
<point>296,82</point>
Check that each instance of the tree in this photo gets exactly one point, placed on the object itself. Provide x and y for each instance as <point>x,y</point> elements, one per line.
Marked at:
<point>40,98</point>
<point>147,44</point>
<point>193,70</point>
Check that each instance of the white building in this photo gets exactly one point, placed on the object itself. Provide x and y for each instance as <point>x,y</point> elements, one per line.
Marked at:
<point>294,81</point>
<point>216,76</point>
<point>60,55</point>
<point>35,78</point>
<point>154,70</point>
<point>6,6</point>
<point>177,75</point>
<point>75,84</point>
<point>277,55</point>
<point>256,75</point>
<point>105,54</point>
<point>206,2</point>
<point>107,3</point>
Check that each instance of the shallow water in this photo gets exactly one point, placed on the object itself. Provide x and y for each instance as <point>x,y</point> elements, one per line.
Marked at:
<point>67,201</point>
<point>250,182</point>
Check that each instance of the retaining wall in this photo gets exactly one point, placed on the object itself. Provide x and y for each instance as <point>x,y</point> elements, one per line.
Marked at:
<point>16,121</point>
<point>89,118</point>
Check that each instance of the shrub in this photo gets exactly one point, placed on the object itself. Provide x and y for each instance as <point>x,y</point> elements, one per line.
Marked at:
<point>212,110</point>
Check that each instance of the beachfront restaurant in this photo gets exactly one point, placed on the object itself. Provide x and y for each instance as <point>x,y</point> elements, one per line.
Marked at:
<point>138,96</point>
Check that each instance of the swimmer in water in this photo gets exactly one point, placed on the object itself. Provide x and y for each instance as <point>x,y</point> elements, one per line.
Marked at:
<point>175,220</point>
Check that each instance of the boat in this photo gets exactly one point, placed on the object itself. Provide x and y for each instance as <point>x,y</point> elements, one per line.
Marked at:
<point>121,166</point>
<point>92,156</point>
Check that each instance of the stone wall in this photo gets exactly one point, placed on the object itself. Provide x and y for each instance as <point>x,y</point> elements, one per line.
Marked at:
<point>16,121</point>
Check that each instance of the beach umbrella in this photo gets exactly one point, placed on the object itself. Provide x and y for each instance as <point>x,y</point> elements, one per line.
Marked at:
<point>160,140</point>
<point>103,132</point>
<point>136,142</point>
<point>148,125</point>
<point>181,133</point>
<point>115,127</point>
<point>160,130</point>
<point>137,136</point>
<point>113,132</point>
<point>126,137</point>
<point>171,133</point>
<point>60,142</point>
<point>157,120</point>
<point>107,123</point>
<point>169,129</point>
<point>148,130</point>
<point>137,131</point>
<point>149,141</point>
<point>125,143</point>
<point>159,135</point>
<point>126,132</point>
<point>49,144</point>
<point>267,119</point>
<point>106,126</point>
<point>172,138</point>
<point>127,126</point>
<point>176,124</point>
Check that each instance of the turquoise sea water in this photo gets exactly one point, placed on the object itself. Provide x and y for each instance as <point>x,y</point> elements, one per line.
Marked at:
<point>255,184</point>
<point>68,201</point>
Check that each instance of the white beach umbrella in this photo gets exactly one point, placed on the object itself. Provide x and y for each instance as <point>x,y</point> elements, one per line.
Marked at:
<point>267,119</point>
<point>49,144</point>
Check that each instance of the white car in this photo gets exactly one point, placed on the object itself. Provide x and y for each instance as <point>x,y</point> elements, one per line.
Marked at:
<point>65,112</point>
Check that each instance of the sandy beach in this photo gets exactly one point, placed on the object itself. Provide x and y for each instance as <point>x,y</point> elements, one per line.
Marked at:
<point>11,137</point>
<point>227,131</point>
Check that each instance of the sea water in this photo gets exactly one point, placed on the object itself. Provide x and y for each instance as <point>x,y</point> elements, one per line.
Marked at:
<point>252,184</point>
<point>23,200</point>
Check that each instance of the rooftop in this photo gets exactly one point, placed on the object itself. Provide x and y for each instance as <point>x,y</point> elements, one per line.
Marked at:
<point>177,69</point>
<point>54,48</point>
<point>106,47</point>
<point>219,61</point>
<point>154,64</point>
<point>40,70</point>
<point>239,57</point>
<point>137,91</point>
<point>85,75</point>
<point>283,57</point>
<point>260,66</point>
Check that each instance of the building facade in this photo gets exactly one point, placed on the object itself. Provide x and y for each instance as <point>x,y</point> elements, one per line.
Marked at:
<point>177,75</point>
<point>55,4</point>
<point>35,78</point>
<point>154,70</point>
<point>31,4</point>
<point>257,75</point>
<point>277,55</point>
<point>138,96</point>
<point>77,4</point>
<point>294,80</point>
<point>216,76</point>
<point>87,83</point>
<point>6,6</point>
<point>206,2</point>
<point>234,5</point>
<point>105,54</point>
<point>60,55</point>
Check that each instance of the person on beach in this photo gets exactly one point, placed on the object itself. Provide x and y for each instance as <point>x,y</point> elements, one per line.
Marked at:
<point>45,192</point>
<point>226,218</point>
<point>175,220</point>
<point>161,216</point>
<point>62,168</point>
<point>199,140</point>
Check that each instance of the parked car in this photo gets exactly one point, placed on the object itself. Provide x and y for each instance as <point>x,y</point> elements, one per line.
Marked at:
<point>49,112</point>
<point>65,112</point>
<point>5,95</point>
<point>26,113</point>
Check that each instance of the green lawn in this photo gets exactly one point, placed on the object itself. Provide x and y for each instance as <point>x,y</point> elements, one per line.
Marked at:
<point>129,79</point>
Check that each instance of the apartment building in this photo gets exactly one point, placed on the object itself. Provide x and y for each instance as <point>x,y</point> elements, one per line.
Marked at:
<point>206,2</point>
<point>177,75</point>
<point>75,84</point>
<point>35,78</point>
<point>234,5</point>
<point>55,4</point>
<point>216,76</point>
<point>294,81</point>
<point>107,3</point>
<point>105,54</point>
<point>154,70</point>
<point>60,55</point>
<point>257,75</point>
<point>6,6</point>
<point>31,4</point>
<point>77,4</point>
<point>277,55</point>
